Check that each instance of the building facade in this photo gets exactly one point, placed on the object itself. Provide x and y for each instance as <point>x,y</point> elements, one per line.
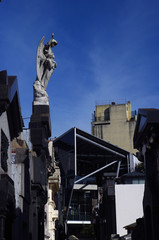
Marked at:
<point>129,197</point>
<point>14,164</point>
<point>51,212</point>
<point>115,123</point>
<point>146,140</point>
<point>29,177</point>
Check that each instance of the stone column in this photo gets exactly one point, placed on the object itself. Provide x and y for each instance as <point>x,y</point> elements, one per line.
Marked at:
<point>40,131</point>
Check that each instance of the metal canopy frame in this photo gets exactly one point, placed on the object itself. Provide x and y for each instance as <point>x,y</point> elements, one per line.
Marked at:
<point>92,173</point>
<point>101,146</point>
<point>85,145</point>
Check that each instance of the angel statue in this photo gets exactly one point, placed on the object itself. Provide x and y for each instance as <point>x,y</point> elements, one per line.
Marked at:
<point>45,66</point>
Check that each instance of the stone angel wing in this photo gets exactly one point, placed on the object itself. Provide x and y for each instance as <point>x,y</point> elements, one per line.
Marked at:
<point>40,59</point>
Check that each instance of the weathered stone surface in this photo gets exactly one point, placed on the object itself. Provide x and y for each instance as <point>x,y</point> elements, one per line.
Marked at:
<point>45,68</point>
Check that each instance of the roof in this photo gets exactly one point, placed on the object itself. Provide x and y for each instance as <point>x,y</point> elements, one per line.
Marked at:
<point>93,143</point>
<point>146,118</point>
<point>130,226</point>
<point>134,174</point>
<point>92,150</point>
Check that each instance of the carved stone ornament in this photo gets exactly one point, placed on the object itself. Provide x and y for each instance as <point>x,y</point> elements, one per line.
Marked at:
<point>45,66</point>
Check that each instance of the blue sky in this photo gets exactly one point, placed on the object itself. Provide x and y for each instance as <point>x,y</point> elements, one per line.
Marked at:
<point>108,50</point>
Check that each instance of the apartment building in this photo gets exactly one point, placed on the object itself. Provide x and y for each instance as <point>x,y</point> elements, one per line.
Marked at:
<point>115,123</point>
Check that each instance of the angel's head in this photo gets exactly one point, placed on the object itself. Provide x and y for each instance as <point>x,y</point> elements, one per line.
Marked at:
<point>53,43</point>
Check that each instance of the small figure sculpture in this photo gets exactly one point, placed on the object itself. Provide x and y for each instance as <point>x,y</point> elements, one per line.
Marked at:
<point>45,66</point>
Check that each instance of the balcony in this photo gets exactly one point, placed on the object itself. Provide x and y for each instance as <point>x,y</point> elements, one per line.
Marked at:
<point>78,216</point>
<point>100,119</point>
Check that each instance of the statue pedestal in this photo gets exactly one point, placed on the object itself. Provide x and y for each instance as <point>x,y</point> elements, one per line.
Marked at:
<point>40,131</point>
<point>40,126</point>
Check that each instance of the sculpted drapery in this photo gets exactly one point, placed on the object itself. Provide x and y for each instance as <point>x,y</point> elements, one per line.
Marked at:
<point>45,66</point>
